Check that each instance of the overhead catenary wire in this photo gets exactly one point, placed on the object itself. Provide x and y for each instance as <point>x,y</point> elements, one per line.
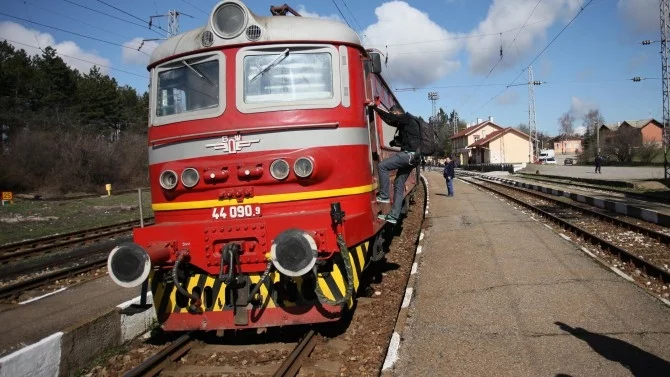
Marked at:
<point>459,37</point>
<point>114,17</point>
<point>80,59</point>
<point>502,52</point>
<point>196,8</point>
<point>354,17</point>
<point>581,10</point>
<point>558,82</point>
<point>129,14</point>
<point>71,32</point>
<point>341,14</point>
<point>74,19</point>
<point>34,31</point>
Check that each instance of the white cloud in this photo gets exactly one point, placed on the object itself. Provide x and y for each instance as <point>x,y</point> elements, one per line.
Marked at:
<point>132,55</point>
<point>504,15</point>
<point>580,130</point>
<point>641,15</point>
<point>412,60</point>
<point>510,97</point>
<point>305,13</point>
<point>579,107</point>
<point>18,33</point>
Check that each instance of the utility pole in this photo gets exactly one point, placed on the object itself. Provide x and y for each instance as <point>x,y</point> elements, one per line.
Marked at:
<point>433,97</point>
<point>533,150</point>
<point>532,126</point>
<point>665,54</point>
<point>597,127</point>
<point>173,21</point>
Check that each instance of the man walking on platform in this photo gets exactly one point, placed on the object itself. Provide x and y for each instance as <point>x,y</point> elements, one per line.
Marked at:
<point>449,173</point>
<point>599,162</point>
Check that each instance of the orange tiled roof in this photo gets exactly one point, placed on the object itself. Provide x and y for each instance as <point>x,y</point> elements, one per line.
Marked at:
<point>475,128</point>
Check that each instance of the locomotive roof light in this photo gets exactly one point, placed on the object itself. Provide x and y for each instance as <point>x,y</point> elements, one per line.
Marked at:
<point>168,179</point>
<point>293,252</point>
<point>279,169</point>
<point>303,167</point>
<point>190,177</point>
<point>229,20</point>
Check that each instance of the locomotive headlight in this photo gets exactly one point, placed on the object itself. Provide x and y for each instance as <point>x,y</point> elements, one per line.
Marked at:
<point>303,167</point>
<point>293,252</point>
<point>229,20</point>
<point>279,169</point>
<point>168,179</point>
<point>190,177</point>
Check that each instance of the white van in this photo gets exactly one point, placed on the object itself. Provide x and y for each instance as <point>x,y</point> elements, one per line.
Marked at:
<point>547,153</point>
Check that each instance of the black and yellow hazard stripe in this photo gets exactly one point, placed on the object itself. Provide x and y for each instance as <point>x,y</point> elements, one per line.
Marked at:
<point>333,284</point>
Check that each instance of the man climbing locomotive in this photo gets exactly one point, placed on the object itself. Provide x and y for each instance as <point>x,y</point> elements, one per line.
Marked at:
<point>409,138</point>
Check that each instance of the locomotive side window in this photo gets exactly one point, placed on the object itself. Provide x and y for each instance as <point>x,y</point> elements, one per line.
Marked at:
<point>287,77</point>
<point>293,77</point>
<point>188,88</point>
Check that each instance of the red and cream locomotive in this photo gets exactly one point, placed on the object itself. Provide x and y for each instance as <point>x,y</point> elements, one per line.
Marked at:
<point>262,156</point>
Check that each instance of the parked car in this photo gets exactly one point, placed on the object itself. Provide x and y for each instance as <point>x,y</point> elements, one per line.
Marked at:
<point>568,161</point>
<point>548,161</point>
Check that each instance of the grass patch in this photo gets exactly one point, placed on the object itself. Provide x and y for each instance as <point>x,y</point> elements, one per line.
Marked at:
<point>27,219</point>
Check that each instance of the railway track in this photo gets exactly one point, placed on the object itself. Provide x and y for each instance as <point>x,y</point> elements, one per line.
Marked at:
<point>169,355</point>
<point>11,253</point>
<point>648,197</point>
<point>646,249</point>
<point>14,290</point>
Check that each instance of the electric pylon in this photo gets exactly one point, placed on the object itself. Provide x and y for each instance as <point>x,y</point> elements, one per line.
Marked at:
<point>532,126</point>
<point>665,54</point>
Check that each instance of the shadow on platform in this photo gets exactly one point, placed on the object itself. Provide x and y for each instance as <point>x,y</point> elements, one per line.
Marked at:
<point>640,362</point>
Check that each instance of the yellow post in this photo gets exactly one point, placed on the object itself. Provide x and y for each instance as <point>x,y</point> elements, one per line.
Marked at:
<point>108,187</point>
<point>7,196</point>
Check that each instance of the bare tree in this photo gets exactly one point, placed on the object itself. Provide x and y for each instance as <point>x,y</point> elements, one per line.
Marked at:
<point>566,122</point>
<point>523,127</point>
<point>591,121</point>
<point>620,145</point>
<point>648,151</point>
<point>592,118</point>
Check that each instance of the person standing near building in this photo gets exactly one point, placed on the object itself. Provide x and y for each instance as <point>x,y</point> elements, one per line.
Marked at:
<point>599,162</point>
<point>449,174</point>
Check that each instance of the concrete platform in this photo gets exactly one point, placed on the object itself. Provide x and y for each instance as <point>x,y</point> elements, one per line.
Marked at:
<point>588,172</point>
<point>499,294</point>
<point>56,335</point>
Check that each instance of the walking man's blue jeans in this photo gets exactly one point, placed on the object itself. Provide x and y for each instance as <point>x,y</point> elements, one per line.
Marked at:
<point>401,162</point>
<point>450,187</point>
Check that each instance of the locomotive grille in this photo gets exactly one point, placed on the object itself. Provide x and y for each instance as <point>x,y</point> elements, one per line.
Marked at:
<point>253,32</point>
<point>207,38</point>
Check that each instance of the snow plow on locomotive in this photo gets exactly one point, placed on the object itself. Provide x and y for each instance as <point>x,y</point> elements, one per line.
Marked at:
<point>262,160</point>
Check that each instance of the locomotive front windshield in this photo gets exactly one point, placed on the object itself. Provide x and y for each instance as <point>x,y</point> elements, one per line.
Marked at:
<point>189,86</point>
<point>288,77</point>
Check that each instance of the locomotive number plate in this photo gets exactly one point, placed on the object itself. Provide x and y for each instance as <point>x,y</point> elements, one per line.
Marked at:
<point>236,212</point>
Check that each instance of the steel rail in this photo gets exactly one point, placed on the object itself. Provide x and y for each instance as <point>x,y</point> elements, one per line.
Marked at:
<point>645,266</point>
<point>44,245</point>
<point>14,290</point>
<point>291,366</point>
<point>661,237</point>
<point>655,199</point>
<point>156,363</point>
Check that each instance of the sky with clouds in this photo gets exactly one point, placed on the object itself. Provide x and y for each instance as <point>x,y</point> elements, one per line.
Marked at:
<point>472,52</point>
